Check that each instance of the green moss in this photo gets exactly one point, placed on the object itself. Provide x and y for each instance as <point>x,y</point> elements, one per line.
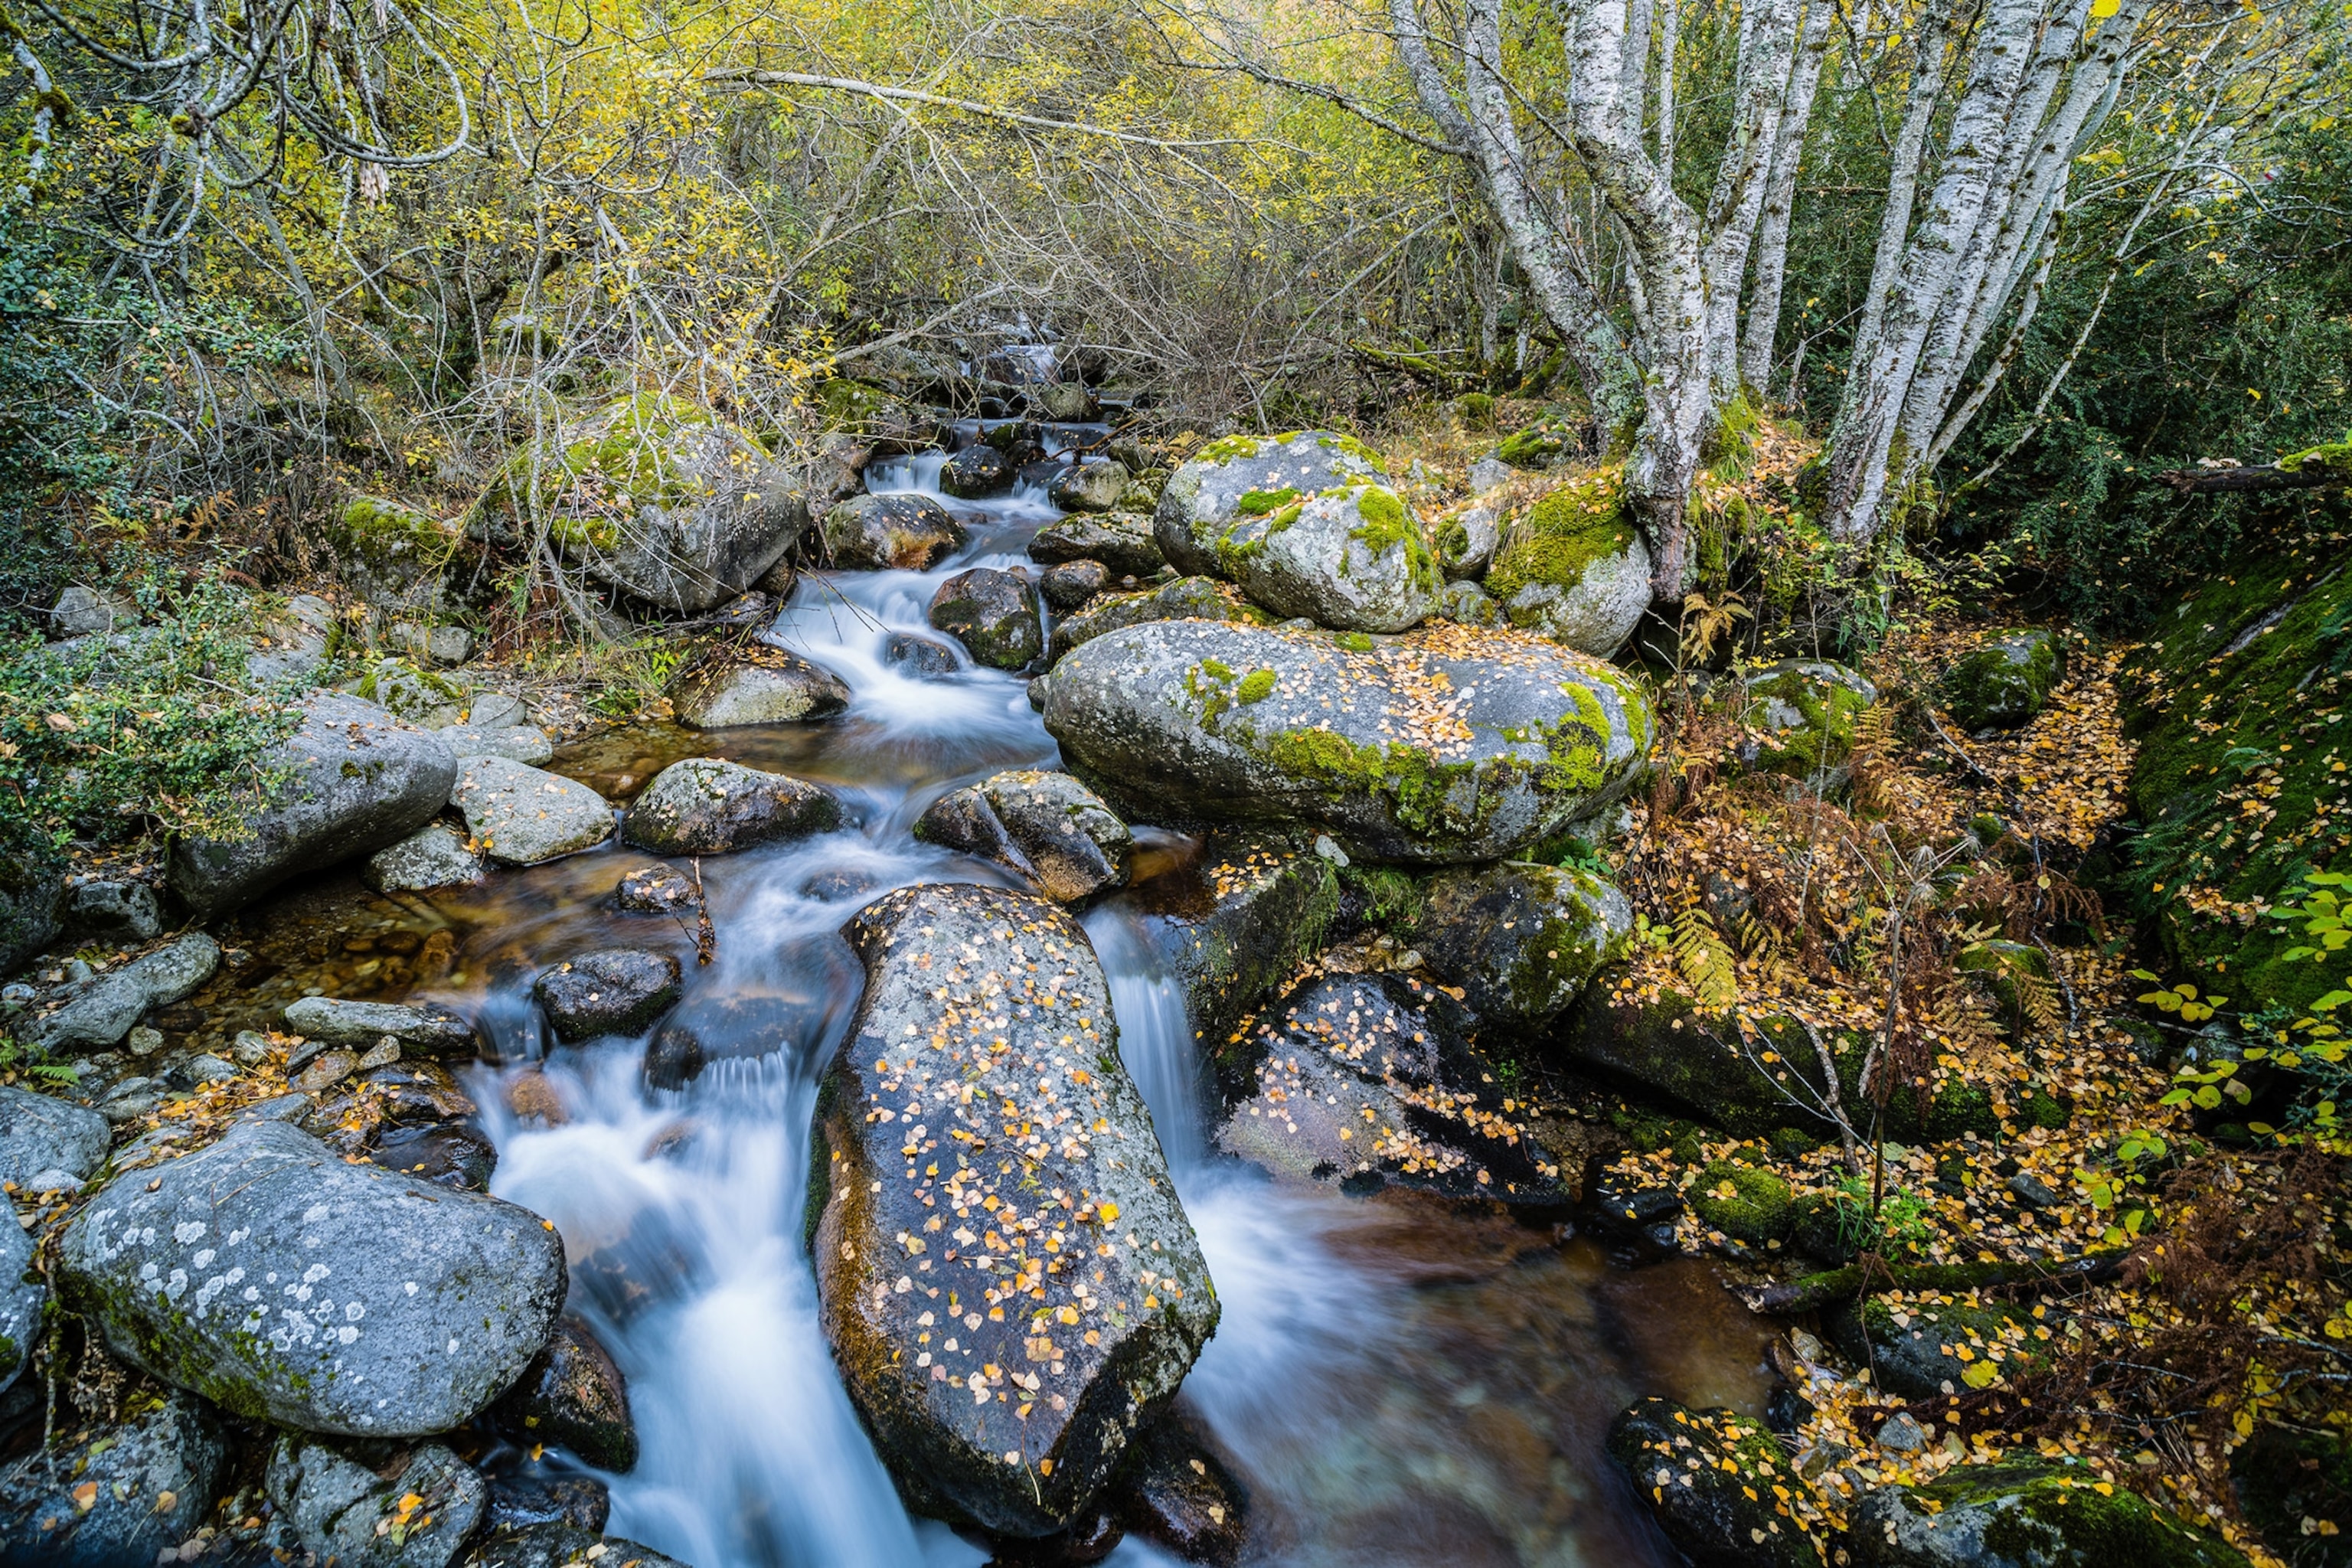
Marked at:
<point>1744,1202</point>
<point>1393,899</point>
<point>1426,796</point>
<point>1536,447</point>
<point>1258,504</point>
<point>1337,443</point>
<point>1228,449</point>
<point>2335,457</point>
<point>1478,410</point>
<point>1827,709</point>
<point>1562,535</point>
<point>1256,685</point>
<point>2006,681</point>
<point>2051,1514</point>
<point>1354,642</point>
<point>855,406</point>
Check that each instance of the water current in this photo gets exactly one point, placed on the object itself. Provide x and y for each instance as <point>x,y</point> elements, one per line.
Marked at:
<point>1396,1385</point>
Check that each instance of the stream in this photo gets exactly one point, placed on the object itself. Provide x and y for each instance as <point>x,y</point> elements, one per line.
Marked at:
<point>1396,1382</point>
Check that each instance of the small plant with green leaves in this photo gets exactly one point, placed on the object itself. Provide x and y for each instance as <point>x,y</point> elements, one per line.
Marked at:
<point>1900,1224</point>
<point>33,1062</point>
<point>2119,1188</point>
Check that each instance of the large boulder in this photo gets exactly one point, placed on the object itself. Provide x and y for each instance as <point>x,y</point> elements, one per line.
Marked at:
<point>1185,599</point>
<point>705,806</point>
<point>1047,827</point>
<point>522,815</point>
<point>356,780</point>
<point>1722,1491</point>
<point>758,685</point>
<point>1446,746</point>
<point>994,613</point>
<point>374,1504</point>
<point>1802,713</point>
<point>2005,680</point>
<point>40,1133</point>
<point>1521,940</point>
<point>653,496</point>
<point>119,1495</point>
<point>401,557</point>
<point>286,1286</point>
<point>1122,541</point>
<point>423,1029</point>
<point>2023,1513</point>
<point>613,991</point>
<point>1239,477</point>
<point>887,532</point>
<point>1573,567</point>
<point>96,1012</point>
<point>1009,1284</point>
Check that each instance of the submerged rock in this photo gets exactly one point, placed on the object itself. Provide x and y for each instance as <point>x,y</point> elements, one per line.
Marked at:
<point>520,1500</point>
<point>976,472</point>
<point>1046,827</point>
<point>613,991</point>
<point>1573,567</point>
<point>1177,1491</point>
<point>921,657</point>
<point>358,779</point>
<point>287,1286</point>
<point>96,1012</point>
<point>1521,940</point>
<point>423,1029</point>
<point>522,815</point>
<point>889,533</point>
<point>2006,681</point>
<point>705,806</point>
<point>1446,746</point>
<point>2023,1514</point>
<point>994,613</point>
<point>375,1505</point>
<point>435,856</point>
<point>657,891</point>
<point>122,1495</point>
<point>1059,1284</point>
<point>1122,541</point>
<point>573,1396</point>
<point>1709,1478</point>
<point>762,686</point>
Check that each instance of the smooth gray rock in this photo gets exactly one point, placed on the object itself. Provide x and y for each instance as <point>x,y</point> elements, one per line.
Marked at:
<point>1089,487</point>
<point>1122,540</point>
<point>516,742</point>
<point>96,1012</point>
<point>1489,472</point>
<point>522,815</point>
<point>343,1501</point>
<point>887,532</point>
<point>113,910</point>
<point>613,991</point>
<point>705,806</point>
<point>994,613</point>
<point>22,1293</point>
<point>419,696</point>
<point>1204,498</point>
<point>1064,1375</point>
<point>82,612</point>
<point>1046,827</point>
<point>1465,541</point>
<point>1521,940</point>
<point>497,710</point>
<point>771,686</point>
<point>1444,747</point>
<point>435,856</point>
<point>287,1286</point>
<point>437,644</point>
<point>360,780</point>
<point>152,1481</point>
<point>1592,603</point>
<point>40,1132</point>
<point>423,1030</point>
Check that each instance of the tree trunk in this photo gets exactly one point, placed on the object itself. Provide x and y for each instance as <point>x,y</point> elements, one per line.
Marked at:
<point>1780,199</point>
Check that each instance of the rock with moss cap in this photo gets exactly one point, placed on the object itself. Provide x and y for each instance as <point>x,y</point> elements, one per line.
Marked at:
<point>1803,712</point>
<point>654,497</point>
<point>404,558</point>
<point>1745,1203</point>
<point>1573,567</point>
<point>1542,445</point>
<point>2023,1513</point>
<point>1720,1486</point>
<point>994,613</point>
<point>2005,680</point>
<point>1046,827</point>
<point>1089,487</point>
<point>1205,497</point>
<point>977,1140</point>
<point>884,423</point>
<point>1185,599</point>
<point>1445,746</point>
<point>1466,538</point>
<point>705,806</point>
<point>1520,940</point>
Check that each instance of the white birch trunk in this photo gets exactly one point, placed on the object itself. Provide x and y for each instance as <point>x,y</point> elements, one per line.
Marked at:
<point>1780,198</point>
<point>1902,173</point>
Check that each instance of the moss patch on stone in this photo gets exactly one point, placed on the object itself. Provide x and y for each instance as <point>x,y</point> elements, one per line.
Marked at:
<point>1744,1202</point>
<point>1557,539</point>
<point>1258,504</point>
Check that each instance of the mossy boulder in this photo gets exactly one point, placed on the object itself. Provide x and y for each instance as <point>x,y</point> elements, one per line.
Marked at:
<point>2005,680</point>
<point>1720,1486</point>
<point>403,557</point>
<point>994,613</point>
<point>1520,939</point>
<point>1465,539</point>
<point>1089,487</point>
<point>1573,567</point>
<point>1925,1349</point>
<point>1442,747</point>
<point>1802,712</point>
<point>1185,599</point>
<point>1747,1202</point>
<point>1542,445</point>
<point>884,422</point>
<point>1009,1284</point>
<point>2023,1513</point>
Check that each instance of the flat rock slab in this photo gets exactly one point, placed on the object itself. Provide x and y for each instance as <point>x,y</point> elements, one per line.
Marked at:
<point>422,1030</point>
<point>522,815</point>
<point>96,1012</point>
<point>358,780</point>
<point>39,1133</point>
<point>287,1286</point>
<point>1004,1271</point>
<point>705,806</point>
<point>768,685</point>
<point>1448,744</point>
<point>614,991</point>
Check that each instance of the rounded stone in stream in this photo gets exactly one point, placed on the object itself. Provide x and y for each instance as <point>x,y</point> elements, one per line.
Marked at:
<point>120,1495</point>
<point>1089,487</point>
<point>994,613</point>
<point>1069,585</point>
<point>435,856</point>
<point>705,806</point>
<point>657,891</point>
<point>920,657</point>
<point>1047,826</point>
<point>613,991</point>
<point>40,1132</point>
<point>573,1396</point>
<point>983,1066</point>
<point>357,779</point>
<point>423,1029</point>
<point>374,1504</point>
<point>287,1286</point>
<point>522,815</point>
<point>767,687</point>
<point>975,473</point>
<point>519,742</point>
<point>887,532</point>
<point>1708,1477</point>
<point>1446,745</point>
<point>1122,541</point>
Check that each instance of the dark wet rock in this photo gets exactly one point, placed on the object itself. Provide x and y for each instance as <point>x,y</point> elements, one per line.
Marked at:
<point>1051,1364</point>
<point>762,686</point>
<point>1187,598</point>
<point>522,815</point>
<point>374,1504</point>
<point>573,1396</point>
<point>2023,1514</point>
<point>838,883</point>
<point>1345,735</point>
<point>1069,585</point>
<point>2006,681</point>
<point>976,473</point>
<point>1632,1208</point>
<point>919,657</point>
<point>150,1482</point>
<point>1914,1349</point>
<point>423,1028</point>
<point>96,1012</point>
<point>1089,487</point>
<point>435,855</point>
<point>1237,924</point>
<point>1521,940</point>
<point>994,613</point>
<point>113,910</point>
<point>1041,473</point>
<point>657,891</point>
<point>2284,1477</point>
<point>445,1155</point>
<point>1364,1080</point>
<point>1122,541</point>
<point>39,1133</point>
<point>705,806</point>
<point>519,1500</point>
<point>517,743</point>
<point>1095,1536</point>
<point>32,894</point>
<point>1067,402</point>
<point>22,1295</point>
<point>714,1026</point>
<point>287,1286</point>
<point>887,532</point>
<point>613,991</point>
<point>564,1546</point>
<point>1709,1478</point>
<point>358,779</point>
<point>1046,827</point>
<point>1176,1491</point>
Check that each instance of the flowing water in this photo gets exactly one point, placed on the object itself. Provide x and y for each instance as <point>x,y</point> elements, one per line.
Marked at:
<point>1396,1384</point>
